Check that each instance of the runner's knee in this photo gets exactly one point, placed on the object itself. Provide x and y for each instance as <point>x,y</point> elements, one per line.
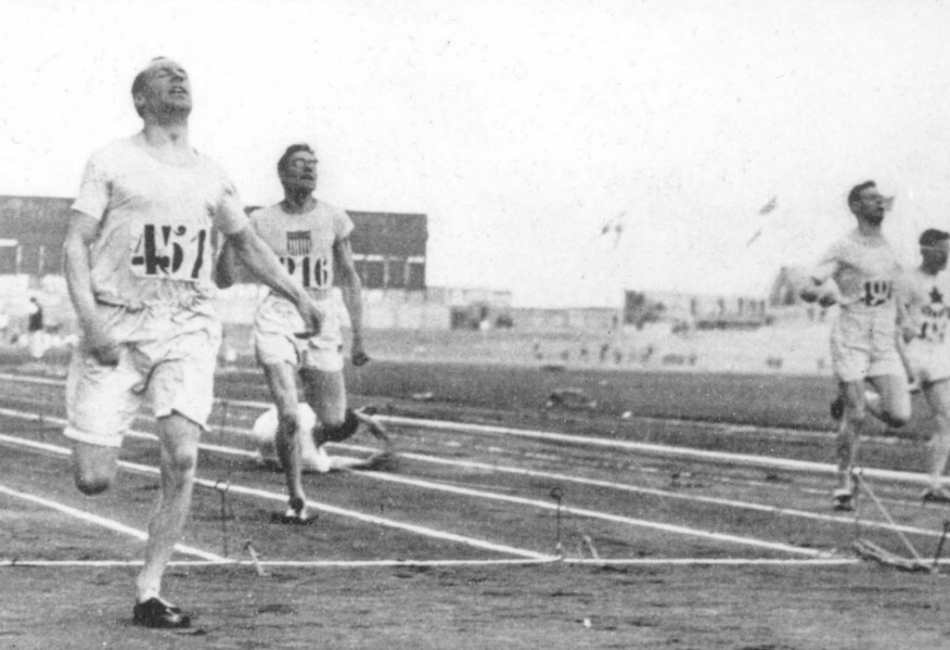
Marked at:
<point>92,484</point>
<point>181,463</point>
<point>897,413</point>
<point>287,424</point>
<point>94,468</point>
<point>896,419</point>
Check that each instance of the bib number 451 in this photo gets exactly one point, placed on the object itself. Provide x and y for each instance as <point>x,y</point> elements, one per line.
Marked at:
<point>166,251</point>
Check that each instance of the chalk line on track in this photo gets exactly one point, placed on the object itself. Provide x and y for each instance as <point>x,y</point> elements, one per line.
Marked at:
<point>665,451</point>
<point>105,522</point>
<point>619,519</point>
<point>369,564</point>
<point>274,496</point>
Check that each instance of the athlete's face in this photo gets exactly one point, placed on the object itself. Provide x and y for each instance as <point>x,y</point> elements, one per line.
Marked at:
<point>167,90</point>
<point>936,255</point>
<point>300,172</point>
<point>870,206</point>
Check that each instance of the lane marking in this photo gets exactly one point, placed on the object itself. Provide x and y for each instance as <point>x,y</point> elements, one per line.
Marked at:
<point>281,498</point>
<point>104,522</point>
<point>636,489</point>
<point>663,451</point>
<point>364,564</point>
<point>483,494</point>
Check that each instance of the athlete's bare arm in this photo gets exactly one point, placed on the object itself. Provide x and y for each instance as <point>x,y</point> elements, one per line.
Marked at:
<point>226,269</point>
<point>263,263</point>
<point>80,234</point>
<point>352,289</point>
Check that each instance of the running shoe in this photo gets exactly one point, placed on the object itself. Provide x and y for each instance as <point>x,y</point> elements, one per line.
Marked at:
<point>935,495</point>
<point>842,500</point>
<point>156,612</point>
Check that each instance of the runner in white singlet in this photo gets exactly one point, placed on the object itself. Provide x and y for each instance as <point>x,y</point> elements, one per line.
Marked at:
<point>864,339</point>
<point>138,263</point>
<point>311,239</point>
<point>927,299</point>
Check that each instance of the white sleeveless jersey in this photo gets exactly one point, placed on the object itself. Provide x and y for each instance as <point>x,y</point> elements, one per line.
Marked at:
<point>154,243</point>
<point>304,242</point>
<point>928,305</point>
<point>866,271</point>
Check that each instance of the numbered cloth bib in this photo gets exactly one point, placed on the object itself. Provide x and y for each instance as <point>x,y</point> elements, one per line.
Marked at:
<point>928,305</point>
<point>156,220</point>
<point>865,270</point>
<point>304,242</point>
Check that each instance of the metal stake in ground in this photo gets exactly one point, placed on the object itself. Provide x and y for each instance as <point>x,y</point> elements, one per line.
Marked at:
<point>224,413</point>
<point>558,495</point>
<point>943,538</point>
<point>226,513</point>
<point>862,482</point>
<point>249,547</point>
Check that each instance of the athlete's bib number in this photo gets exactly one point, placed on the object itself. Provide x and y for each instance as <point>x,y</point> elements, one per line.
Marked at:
<point>309,272</point>
<point>877,292</point>
<point>173,252</point>
<point>933,331</point>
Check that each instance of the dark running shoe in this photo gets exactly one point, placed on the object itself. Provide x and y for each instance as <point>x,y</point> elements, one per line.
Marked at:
<point>935,495</point>
<point>155,612</point>
<point>843,498</point>
<point>837,408</point>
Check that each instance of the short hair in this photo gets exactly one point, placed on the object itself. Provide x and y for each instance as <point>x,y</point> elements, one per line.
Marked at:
<point>291,150</point>
<point>855,194</point>
<point>933,236</point>
<point>138,84</point>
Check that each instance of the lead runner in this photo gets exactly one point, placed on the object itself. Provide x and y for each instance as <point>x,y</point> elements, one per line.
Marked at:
<point>138,259</point>
<point>864,339</point>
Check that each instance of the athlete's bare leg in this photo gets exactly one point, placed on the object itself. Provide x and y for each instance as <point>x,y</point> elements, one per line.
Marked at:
<point>850,427</point>
<point>178,438</point>
<point>938,396</point>
<point>283,388</point>
<point>894,409</point>
<point>326,394</point>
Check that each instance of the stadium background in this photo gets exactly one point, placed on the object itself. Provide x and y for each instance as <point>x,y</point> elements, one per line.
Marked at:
<point>646,329</point>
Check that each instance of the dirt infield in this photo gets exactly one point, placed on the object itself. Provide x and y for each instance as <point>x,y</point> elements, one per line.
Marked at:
<point>531,607</point>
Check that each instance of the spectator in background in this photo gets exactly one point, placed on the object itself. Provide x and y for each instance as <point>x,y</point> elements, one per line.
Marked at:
<point>36,336</point>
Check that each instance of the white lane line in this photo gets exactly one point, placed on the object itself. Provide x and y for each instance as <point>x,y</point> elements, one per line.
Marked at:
<point>643,523</point>
<point>663,451</point>
<point>483,494</point>
<point>603,516</point>
<point>667,494</point>
<point>111,524</point>
<point>492,496</point>
<point>364,564</point>
<point>281,498</point>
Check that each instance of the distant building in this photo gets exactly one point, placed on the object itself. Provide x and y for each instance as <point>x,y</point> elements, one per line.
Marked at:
<point>702,311</point>
<point>604,320</point>
<point>389,248</point>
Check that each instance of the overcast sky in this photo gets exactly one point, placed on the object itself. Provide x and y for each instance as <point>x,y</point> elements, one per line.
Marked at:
<point>522,127</point>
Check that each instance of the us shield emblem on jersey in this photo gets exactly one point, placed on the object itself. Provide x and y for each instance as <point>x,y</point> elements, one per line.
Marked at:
<point>298,242</point>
